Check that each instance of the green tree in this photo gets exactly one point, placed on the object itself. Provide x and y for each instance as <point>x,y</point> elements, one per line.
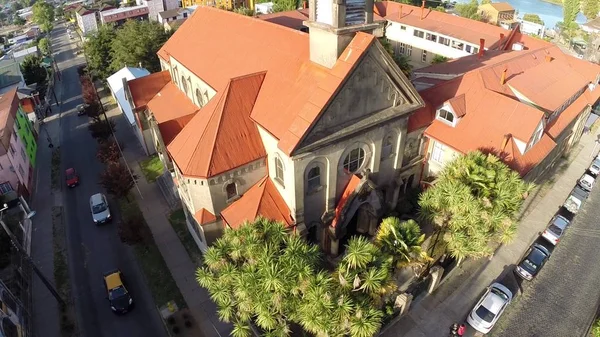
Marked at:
<point>401,240</point>
<point>570,10</point>
<point>483,2</point>
<point>590,8</point>
<point>439,59</point>
<point>401,60</point>
<point>137,44</point>
<point>34,72</point>
<point>99,51</point>
<point>43,15</point>
<point>44,46</point>
<point>244,11</point>
<point>284,5</point>
<point>533,18</point>
<point>438,9</point>
<point>15,6</point>
<point>18,21</point>
<point>101,129</point>
<point>59,12</point>
<point>474,201</point>
<point>468,10</point>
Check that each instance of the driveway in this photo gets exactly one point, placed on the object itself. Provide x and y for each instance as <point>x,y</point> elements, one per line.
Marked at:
<point>93,249</point>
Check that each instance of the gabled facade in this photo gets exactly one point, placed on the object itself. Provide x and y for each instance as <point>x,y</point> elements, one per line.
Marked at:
<point>498,13</point>
<point>295,130</point>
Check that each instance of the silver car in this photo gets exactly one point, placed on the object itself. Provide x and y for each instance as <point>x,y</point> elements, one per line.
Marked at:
<point>556,229</point>
<point>489,308</point>
<point>595,167</point>
<point>586,182</point>
<point>99,208</point>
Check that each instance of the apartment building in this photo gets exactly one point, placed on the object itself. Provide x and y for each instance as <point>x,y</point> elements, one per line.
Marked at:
<point>119,16</point>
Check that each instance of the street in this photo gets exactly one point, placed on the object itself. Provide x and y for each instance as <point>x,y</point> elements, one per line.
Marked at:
<point>94,250</point>
<point>562,300</point>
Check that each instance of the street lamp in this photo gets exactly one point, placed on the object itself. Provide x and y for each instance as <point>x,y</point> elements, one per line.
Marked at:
<point>20,250</point>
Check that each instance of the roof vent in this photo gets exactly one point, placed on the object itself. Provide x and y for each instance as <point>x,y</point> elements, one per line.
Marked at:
<point>481,48</point>
<point>549,58</point>
<point>503,78</point>
<point>518,46</point>
<point>422,9</point>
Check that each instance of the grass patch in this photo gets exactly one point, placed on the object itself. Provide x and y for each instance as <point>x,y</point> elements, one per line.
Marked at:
<point>152,168</point>
<point>61,274</point>
<point>157,274</point>
<point>55,170</point>
<point>596,328</point>
<point>177,220</point>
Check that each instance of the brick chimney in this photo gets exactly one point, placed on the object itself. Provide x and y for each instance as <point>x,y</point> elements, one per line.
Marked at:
<point>501,36</point>
<point>481,47</point>
<point>305,4</point>
<point>400,10</point>
<point>422,9</point>
<point>549,58</point>
<point>503,78</point>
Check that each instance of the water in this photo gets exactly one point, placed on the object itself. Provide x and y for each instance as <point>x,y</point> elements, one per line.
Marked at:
<point>548,12</point>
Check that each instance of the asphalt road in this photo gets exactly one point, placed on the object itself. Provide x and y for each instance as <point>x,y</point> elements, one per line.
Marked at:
<point>93,249</point>
<point>562,300</point>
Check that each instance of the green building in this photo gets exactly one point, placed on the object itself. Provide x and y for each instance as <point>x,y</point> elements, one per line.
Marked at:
<point>26,134</point>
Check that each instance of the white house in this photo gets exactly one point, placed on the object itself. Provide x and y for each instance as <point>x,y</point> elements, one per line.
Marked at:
<point>533,28</point>
<point>86,20</point>
<point>116,83</point>
<point>154,8</point>
<point>592,26</point>
<point>263,8</point>
<point>174,14</point>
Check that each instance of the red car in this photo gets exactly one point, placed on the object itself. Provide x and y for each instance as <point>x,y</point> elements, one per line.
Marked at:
<point>72,177</point>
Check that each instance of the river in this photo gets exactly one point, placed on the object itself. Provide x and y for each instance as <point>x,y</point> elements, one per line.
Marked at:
<point>548,12</point>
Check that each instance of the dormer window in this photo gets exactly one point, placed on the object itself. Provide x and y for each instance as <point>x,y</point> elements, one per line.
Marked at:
<point>446,116</point>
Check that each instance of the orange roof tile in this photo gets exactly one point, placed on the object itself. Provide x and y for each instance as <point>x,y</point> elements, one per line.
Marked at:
<point>459,105</point>
<point>203,216</point>
<point>443,23</point>
<point>523,163</point>
<point>292,81</point>
<point>170,129</point>
<point>262,199</point>
<point>9,103</point>
<point>348,191</point>
<point>212,143</point>
<point>170,103</point>
<point>556,127</point>
<point>143,89</point>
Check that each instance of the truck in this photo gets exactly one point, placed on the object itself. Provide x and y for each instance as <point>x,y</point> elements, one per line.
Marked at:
<point>575,200</point>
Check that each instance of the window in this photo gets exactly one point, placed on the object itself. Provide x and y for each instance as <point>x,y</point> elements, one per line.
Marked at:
<point>446,115</point>
<point>21,171</point>
<point>185,15</point>
<point>431,37</point>
<point>231,190</point>
<point>419,33</point>
<point>5,187</point>
<point>457,45</point>
<point>444,41</point>
<point>468,48</point>
<point>184,84</point>
<point>313,179</point>
<point>408,50</point>
<point>12,150</point>
<point>424,56</point>
<point>354,160</point>
<point>279,170</point>
<point>402,48</point>
<point>175,74</point>
<point>438,152</point>
<point>23,154</point>
<point>387,147</point>
<point>199,97</point>
<point>402,27</point>
<point>475,50</point>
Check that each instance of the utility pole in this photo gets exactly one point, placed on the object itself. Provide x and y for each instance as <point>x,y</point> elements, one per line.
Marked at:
<point>17,245</point>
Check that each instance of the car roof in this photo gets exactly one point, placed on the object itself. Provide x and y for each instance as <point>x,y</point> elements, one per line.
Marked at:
<point>96,198</point>
<point>538,253</point>
<point>493,302</point>
<point>113,280</point>
<point>587,177</point>
<point>560,221</point>
<point>580,192</point>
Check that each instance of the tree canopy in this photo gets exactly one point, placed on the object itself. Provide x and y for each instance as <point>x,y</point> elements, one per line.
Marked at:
<point>44,46</point>
<point>533,18</point>
<point>590,8</point>
<point>43,15</point>
<point>468,10</point>
<point>474,201</point>
<point>401,60</point>
<point>18,21</point>
<point>570,10</point>
<point>99,52</point>
<point>116,179</point>
<point>136,44</point>
<point>33,71</point>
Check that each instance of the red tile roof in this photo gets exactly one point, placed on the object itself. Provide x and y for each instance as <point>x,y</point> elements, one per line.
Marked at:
<point>557,126</point>
<point>262,199</point>
<point>143,89</point>
<point>443,23</point>
<point>172,111</point>
<point>295,89</point>
<point>171,128</point>
<point>9,104</point>
<point>221,136</point>
<point>203,216</point>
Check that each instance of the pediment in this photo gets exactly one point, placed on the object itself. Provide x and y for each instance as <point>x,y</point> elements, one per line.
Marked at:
<point>374,92</point>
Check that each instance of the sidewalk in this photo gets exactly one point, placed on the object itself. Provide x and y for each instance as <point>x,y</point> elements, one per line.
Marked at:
<point>156,212</point>
<point>433,315</point>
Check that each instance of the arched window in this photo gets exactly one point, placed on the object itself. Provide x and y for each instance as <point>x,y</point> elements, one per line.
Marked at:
<point>387,147</point>
<point>279,170</point>
<point>184,84</point>
<point>199,97</point>
<point>231,190</point>
<point>354,160</point>
<point>313,179</point>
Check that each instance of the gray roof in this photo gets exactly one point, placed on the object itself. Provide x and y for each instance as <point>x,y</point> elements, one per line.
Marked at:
<point>171,13</point>
<point>9,72</point>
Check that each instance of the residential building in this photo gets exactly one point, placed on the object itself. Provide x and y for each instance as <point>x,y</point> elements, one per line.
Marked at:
<point>174,15</point>
<point>17,147</point>
<point>592,26</point>
<point>264,8</point>
<point>19,54</point>
<point>497,13</point>
<point>527,107</point>
<point>171,4</point>
<point>120,15</point>
<point>294,131</point>
<point>154,8</point>
<point>10,74</point>
<point>222,4</point>
<point>291,19</point>
<point>532,28</point>
<point>86,20</point>
<point>172,25</point>
<point>13,315</point>
<point>116,84</point>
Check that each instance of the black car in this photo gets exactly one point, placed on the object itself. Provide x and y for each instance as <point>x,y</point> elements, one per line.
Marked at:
<point>119,298</point>
<point>534,260</point>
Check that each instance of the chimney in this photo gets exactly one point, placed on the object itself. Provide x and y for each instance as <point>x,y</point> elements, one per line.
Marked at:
<point>305,4</point>
<point>501,36</point>
<point>400,10</point>
<point>481,47</point>
<point>503,78</point>
<point>422,9</point>
<point>505,141</point>
<point>549,58</point>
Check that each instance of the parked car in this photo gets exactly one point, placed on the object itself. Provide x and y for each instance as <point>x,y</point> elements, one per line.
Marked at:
<point>81,109</point>
<point>490,307</point>
<point>556,228</point>
<point>533,261</point>
<point>594,168</point>
<point>119,298</point>
<point>586,182</point>
<point>100,209</point>
<point>72,177</point>
<point>576,199</point>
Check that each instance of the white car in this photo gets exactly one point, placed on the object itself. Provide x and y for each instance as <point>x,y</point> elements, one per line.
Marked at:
<point>586,182</point>
<point>489,308</point>
<point>555,229</point>
<point>595,167</point>
<point>100,209</point>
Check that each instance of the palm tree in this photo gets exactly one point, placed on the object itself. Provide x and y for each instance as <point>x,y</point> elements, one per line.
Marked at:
<point>402,241</point>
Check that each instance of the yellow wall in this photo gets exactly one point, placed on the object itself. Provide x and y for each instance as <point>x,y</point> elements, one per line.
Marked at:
<point>223,4</point>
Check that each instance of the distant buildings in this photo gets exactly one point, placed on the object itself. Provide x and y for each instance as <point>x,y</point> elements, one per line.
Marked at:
<point>222,4</point>
<point>498,13</point>
<point>118,16</point>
